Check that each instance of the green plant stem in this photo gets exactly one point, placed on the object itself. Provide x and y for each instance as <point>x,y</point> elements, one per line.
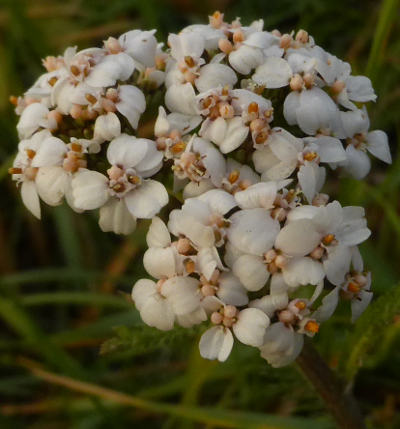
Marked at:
<point>339,402</point>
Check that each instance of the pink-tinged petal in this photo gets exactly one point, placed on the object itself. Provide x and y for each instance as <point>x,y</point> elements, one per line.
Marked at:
<point>298,238</point>
<point>30,197</point>
<point>250,326</point>
<point>147,200</point>
<point>89,190</point>
<point>158,234</point>
<point>251,271</point>
<point>115,217</point>
<point>378,145</point>
<point>216,343</point>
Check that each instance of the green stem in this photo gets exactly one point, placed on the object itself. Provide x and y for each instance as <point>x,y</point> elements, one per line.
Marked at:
<point>339,402</point>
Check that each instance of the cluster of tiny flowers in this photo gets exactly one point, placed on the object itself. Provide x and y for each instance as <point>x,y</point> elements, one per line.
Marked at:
<point>251,121</point>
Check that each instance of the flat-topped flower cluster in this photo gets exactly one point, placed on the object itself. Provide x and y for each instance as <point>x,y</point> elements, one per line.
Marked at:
<point>250,124</point>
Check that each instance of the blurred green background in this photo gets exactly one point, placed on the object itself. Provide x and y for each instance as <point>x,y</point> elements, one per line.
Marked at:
<point>64,285</point>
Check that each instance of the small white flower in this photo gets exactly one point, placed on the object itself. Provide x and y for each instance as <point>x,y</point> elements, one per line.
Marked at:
<point>132,160</point>
<point>248,325</point>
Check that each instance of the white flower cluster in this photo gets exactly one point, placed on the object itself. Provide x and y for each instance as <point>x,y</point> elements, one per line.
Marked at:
<point>251,121</point>
<point>76,128</point>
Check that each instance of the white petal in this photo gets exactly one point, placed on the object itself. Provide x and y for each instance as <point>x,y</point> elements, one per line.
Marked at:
<point>182,99</point>
<point>89,189</point>
<point>131,103</point>
<point>182,294</point>
<point>307,176</point>
<point>215,75</point>
<point>140,45</point>
<point>147,200</point>
<point>298,238</point>
<point>258,195</point>
<point>158,234</point>
<point>328,306</point>
<point>195,189</point>
<point>157,312</point>
<point>31,119</point>
<point>354,122</point>
<point>360,89</point>
<point>30,197</point>
<point>270,303</point>
<point>127,151</point>
<point>51,183</point>
<point>115,217</point>
<point>216,343</point>
<point>303,271</point>
<point>250,326</point>
<point>253,231</point>
<point>236,134</point>
<point>110,69</point>
<point>337,264</point>
<point>214,130</point>
<point>231,291</point>
<point>245,59</point>
<point>274,73</point>
<point>378,145</point>
<point>358,163</point>
<point>142,291</point>
<point>208,261</point>
<point>219,201</point>
<point>358,306</point>
<point>159,262</point>
<point>107,127</point>
<point>251,271</point>
<point>50,152</point>
<point>194,318</point>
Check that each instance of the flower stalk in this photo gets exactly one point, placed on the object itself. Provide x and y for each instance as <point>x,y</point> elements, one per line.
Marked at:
<point>339,401</point>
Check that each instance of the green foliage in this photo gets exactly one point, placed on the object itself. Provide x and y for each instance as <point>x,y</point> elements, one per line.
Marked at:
<point>378,325</point>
